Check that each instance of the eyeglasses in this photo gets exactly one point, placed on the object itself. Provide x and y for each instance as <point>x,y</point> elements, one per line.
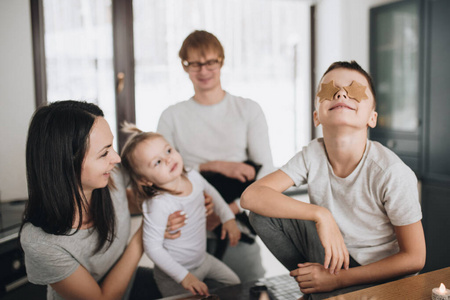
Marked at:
<point>196,66</point>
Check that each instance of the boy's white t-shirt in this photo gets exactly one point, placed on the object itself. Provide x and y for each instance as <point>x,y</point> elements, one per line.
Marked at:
<point>379,194</point>
<point>176,257</point>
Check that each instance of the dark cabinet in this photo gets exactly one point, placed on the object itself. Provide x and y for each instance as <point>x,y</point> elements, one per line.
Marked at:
<point>396,53</point>
<point>410,63</point>
<point>436,137</point>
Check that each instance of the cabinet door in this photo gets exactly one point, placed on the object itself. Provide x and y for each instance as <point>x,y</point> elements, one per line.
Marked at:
<point>395,56</point>
<point>436,223</point>
<point>437,136</point>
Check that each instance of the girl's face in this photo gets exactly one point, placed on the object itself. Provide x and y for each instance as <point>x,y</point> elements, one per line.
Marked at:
<point>158,163</point>
<point>342,110</point>
<point>100,157</point>
<point>204,80</point>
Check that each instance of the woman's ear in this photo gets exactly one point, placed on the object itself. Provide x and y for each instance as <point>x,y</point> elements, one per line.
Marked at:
<point>373,119</point>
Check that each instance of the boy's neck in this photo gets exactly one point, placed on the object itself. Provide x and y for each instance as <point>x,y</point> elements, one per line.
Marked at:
<point>210,97</point>
<point>345,151</point>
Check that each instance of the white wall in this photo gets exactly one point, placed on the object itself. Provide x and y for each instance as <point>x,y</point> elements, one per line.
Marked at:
<point>342,33</point>
<point>16,95</point>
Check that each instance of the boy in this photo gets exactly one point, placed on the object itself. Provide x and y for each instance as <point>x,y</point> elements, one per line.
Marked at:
<point>363,225</point>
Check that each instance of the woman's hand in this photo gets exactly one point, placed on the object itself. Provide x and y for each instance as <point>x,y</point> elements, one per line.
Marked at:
<point>179,218</point>
<point>175,221</point>
<point>195,286</point>
<point>336,253</point>
<point>314,278</point>
<point>234,234</point>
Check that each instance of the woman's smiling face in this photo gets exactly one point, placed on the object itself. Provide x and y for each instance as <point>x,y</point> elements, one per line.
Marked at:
<point>100,157</point>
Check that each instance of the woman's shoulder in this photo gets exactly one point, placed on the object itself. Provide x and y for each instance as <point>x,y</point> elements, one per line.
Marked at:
<point>34,239</point>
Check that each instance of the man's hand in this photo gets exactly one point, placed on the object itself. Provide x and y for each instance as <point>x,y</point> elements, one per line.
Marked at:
<point>234,234</point>
<point>195,286</point>
<point>314,278</point>
<point>237,170</point>
<point>212,221</point>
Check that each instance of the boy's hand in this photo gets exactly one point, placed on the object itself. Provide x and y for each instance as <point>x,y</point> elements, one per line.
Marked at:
<point>314,278</point>
<point>195,286</point>
<point>336,253</point>
<point>234,234</point>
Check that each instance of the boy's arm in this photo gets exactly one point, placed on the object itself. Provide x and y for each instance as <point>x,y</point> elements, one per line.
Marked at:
<point>410,259</point>
<point>265,197</point>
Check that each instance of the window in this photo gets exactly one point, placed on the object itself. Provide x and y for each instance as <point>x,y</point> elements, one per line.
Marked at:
<point>80,48</point>
<point>79,53</point>
<point>266,59</point>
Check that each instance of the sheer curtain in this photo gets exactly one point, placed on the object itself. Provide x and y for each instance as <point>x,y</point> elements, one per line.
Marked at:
<point>267,55</point>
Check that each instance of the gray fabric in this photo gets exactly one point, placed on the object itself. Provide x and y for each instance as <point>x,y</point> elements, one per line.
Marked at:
<point>379,194</point>
<point>296,241</point>
<point>52,258</point>
<point>290,241</point>
<point>211,268</point>
<point>244,259</point>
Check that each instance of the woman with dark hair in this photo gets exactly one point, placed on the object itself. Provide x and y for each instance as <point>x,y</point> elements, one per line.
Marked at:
<point>76,224</point>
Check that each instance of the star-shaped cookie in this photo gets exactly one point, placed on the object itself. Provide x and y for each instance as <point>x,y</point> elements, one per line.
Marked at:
<point>327,91</point>
<point>356,91</point>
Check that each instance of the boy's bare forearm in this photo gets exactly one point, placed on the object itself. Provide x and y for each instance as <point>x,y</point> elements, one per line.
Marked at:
<point>386,269</point>
<point>270,203</point>
<point>409,260</point>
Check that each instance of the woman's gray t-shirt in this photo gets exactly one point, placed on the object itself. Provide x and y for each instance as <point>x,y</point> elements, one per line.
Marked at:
<point>51,258</point>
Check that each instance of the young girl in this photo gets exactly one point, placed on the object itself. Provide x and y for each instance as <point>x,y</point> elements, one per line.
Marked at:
<point>157,174</point>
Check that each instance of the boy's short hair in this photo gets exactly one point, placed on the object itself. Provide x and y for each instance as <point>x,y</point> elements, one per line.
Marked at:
<point>353,65</point>
<point>203,42</point>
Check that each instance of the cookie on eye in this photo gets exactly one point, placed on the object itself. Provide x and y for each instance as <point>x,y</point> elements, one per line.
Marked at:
<point>327,91</point>
<point>356,91</point>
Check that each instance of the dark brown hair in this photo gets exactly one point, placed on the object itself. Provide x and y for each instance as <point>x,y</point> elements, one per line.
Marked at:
<point>353,65</point>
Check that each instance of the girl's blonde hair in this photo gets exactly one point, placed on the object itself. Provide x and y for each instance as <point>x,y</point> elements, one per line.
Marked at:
<point>136,137</point>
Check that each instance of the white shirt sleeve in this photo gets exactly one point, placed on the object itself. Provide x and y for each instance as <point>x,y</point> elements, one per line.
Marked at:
<point>258,141</point>
<point>221,207</point>
<point>155,214</point>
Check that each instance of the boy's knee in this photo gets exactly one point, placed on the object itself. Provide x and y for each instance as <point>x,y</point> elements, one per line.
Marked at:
<point>256,220</point>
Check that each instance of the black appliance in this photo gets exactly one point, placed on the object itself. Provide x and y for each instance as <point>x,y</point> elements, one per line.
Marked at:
<point>12,264</point>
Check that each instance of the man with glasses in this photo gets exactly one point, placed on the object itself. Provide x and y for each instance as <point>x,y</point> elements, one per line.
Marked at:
<point>218,133</point>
